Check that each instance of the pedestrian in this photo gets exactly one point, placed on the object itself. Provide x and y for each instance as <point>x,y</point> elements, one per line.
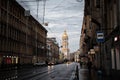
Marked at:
<point>81,64</point>
<point>46,62</point>
<point>89,65</point>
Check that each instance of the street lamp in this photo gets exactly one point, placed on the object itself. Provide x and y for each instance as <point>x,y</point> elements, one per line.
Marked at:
<point>37,10</point>
<point>44,4</point>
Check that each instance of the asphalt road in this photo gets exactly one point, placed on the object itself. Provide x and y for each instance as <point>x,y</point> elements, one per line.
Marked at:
<point>53,72</point>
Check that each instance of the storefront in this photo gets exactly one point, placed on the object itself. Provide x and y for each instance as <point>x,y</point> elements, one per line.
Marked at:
<point>8,60</point>
<point>115,55</point>
<point>0,60</point>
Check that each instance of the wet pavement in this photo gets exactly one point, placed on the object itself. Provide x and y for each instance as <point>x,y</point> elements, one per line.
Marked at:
<point>85,75</point>
<point>55,72</point>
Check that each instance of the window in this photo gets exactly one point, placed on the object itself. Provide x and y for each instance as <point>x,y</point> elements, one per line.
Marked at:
<point>113,58</point>
<point>0,28</point>
<point>0,45</point>
<point>117,58</point>
<point>115,15</point>
<point>97,3</point>
<point>10,46</point>
<point>0,13</point>
<point>3,29</point>
<point>3,45</point>
<point>8,31</point>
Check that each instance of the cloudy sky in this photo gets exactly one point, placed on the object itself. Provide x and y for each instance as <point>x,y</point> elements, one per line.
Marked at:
<point>60,15</point>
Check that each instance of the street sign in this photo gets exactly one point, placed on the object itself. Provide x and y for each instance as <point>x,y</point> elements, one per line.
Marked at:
<point>100,37</point>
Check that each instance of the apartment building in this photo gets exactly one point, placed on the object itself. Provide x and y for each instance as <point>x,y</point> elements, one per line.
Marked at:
<point>22,37</point>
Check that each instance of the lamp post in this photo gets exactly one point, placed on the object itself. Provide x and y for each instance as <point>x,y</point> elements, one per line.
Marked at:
<point>97,50</point>
<point>36,43</point>
<point>44,4</point>
<point>27,14</point>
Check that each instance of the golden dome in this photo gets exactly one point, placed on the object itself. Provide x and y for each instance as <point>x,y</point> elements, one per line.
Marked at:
<point>65,36</point>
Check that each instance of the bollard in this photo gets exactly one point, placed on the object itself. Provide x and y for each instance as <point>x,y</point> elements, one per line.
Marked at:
<point>100,74</point>
<point>77,73</point>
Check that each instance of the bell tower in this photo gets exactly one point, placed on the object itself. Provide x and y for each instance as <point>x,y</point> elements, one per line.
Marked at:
<point>65,49</point>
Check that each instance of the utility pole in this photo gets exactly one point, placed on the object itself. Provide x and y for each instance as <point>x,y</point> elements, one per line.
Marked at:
<point>37,7</point>
<point>44,4</point>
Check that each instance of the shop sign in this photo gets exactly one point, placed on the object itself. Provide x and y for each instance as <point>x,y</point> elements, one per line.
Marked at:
<point>92,51</point>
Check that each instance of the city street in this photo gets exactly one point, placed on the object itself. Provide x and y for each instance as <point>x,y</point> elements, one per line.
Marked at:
<point>59,39</point>
<point>53,72</point>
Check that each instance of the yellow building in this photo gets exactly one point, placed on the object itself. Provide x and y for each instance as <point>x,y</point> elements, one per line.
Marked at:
<point>65,49</point>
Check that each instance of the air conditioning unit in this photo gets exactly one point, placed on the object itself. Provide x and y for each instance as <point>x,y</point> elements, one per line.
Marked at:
<point>27,12</point>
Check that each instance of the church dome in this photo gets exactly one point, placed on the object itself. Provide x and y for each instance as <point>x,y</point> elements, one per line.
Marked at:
<point>65,36</point>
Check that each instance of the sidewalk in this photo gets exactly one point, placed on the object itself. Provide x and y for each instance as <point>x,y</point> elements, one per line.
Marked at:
<point>84,74</point>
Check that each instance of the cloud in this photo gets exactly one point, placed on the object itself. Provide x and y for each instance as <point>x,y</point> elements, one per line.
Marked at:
<point>60,15</point>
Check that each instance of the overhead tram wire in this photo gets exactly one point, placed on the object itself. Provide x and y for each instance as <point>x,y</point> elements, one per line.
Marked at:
<point>38,5</point>
<point>56,6</point>
<point>79,0</point>
<point>29,1</point>
<point>52,10</point>
<point>62,3</point>
<point>44,5</point>
<point>26,1</point>
<point>59,6</point>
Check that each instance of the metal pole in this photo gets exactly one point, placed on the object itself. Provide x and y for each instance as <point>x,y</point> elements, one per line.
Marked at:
<point>7,28</point>
<point>37,7</point>
<point>26,34</point>
<point>44,4</point>
<point>36,44</point>
<point>102,18</point>
<point>7,20</point>
<point>27,14</point>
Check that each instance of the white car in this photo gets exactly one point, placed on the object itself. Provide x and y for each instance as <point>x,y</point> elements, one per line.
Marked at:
<point>39,64</point>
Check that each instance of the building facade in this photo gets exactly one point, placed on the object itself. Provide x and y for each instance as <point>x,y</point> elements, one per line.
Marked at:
<point>22,38</point>
<point>52,50</point>
<point>111,45</point>
<point>102,16</point>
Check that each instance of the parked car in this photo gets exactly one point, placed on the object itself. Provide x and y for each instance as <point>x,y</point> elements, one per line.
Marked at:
<point>39,64</point>
<point>51,63</point>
